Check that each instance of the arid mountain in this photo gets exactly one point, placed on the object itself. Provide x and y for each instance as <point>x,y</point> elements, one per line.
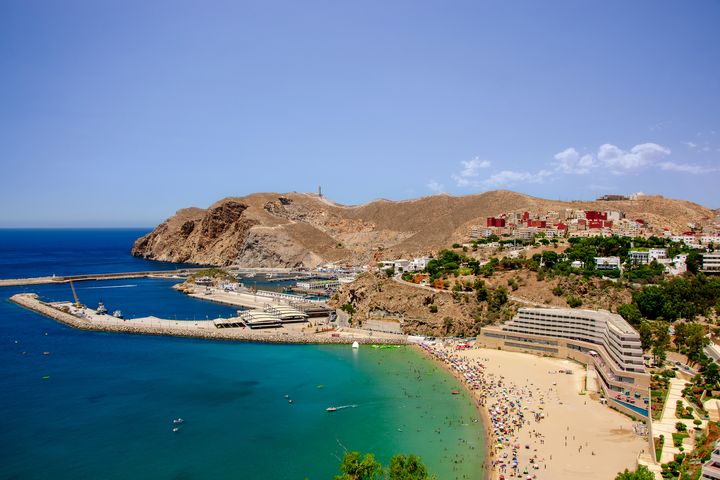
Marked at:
<point>297,229</point>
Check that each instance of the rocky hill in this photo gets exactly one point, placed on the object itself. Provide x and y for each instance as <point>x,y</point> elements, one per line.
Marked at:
<point>297,229</point>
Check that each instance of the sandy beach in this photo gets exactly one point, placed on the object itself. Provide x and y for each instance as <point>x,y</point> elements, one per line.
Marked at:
<point>540,424</point>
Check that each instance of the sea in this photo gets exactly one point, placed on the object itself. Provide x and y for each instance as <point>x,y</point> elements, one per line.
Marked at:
<point>91,405</point>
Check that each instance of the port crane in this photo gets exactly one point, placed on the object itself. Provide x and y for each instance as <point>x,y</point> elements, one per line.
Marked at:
<point>77,301</point>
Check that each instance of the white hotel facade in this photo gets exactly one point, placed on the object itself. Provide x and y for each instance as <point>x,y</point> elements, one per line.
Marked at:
<point>603,341</point>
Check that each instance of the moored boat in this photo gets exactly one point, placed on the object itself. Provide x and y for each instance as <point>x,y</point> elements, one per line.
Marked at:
<point>101,310</point>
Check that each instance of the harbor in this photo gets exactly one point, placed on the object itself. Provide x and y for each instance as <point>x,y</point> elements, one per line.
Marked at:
<point>84,318</point>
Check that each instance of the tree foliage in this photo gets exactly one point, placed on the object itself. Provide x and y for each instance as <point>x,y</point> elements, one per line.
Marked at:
<point>355,467</point>
<point>640,473</point>
<point>407,468</point>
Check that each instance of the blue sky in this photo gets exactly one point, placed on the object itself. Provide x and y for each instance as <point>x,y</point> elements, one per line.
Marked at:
<point>119,113</point>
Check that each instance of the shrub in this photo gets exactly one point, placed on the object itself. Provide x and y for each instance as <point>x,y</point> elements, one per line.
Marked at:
<point>573,302</point>
<point>433,308</point>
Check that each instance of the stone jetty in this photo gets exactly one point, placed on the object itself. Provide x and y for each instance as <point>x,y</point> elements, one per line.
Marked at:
<point>196,329</point>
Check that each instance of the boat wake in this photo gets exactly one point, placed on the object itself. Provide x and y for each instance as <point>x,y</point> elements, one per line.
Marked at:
<point>345,406</point>
<point>109,286</point>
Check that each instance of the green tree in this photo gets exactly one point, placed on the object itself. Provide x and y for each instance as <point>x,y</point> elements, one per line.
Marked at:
<point>498,299</point>
<point>660,339</point>
<point>711,374</point>
<point>407,468</point>
<point>696,341</point>
<point>646,335</point>
<point>447,324</point>
<point>481,293</point>
<point>355,468</point>
<point>631,313</point>
<point>640,473</point>
<point>650,301</point>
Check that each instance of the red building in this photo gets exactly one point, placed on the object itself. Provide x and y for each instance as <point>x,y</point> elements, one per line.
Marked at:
<point>537,223</point>
<point>595,215</point>
<point>495,222</point>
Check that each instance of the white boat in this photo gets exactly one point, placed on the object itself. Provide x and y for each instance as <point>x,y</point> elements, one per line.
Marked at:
<point>101,310</point>
<point>355,345</point>
<point>331,409</point>
<point>178,421</point>
<point>176,429</point>
<point>118,314</point>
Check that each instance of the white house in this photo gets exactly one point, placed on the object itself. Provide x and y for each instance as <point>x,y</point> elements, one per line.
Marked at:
<point>418,263</point>
<point>607,263</point>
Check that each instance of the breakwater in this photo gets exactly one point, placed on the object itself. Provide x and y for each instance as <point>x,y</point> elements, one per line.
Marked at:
<point>193,329</point>
<point>15,282</point>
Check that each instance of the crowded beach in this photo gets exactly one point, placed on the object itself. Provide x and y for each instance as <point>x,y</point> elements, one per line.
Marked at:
<point>540,421</point>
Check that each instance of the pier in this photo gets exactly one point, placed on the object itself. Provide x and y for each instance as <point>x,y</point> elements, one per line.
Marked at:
<point>15,282</point>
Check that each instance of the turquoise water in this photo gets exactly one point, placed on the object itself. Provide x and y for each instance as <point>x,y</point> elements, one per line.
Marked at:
<point>106,409</point>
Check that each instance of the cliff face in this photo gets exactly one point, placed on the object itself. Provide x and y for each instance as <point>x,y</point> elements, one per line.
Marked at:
<point>295,229</point>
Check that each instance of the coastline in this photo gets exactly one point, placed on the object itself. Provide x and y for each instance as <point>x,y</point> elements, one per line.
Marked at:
<point>487,473</point>
<point>32,302</point>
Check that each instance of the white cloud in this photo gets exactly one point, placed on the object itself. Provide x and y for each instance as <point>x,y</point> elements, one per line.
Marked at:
<point>469,171</point>
<point>436,186</point>
<point>685,167</point>
<point>691,145</point>
<point>570,161</point>
<point>506,178</point>
<point>639,156</point>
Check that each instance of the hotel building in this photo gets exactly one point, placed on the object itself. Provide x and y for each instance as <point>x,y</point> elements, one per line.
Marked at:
<point>711,468</point>
<point>603,341</point>
<point>710,263</point>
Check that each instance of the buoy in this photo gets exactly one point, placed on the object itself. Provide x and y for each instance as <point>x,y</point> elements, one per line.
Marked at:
<point>355,345</point>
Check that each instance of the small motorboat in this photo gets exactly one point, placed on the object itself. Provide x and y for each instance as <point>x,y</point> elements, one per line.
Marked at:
<point>178,421</point>
<point>331,409</point>
<point>455,392</point>
<point>101,309</point>
<point>118,314</point>
<point>355,345</point>
<point>290,400</point>
<point>176,429</point>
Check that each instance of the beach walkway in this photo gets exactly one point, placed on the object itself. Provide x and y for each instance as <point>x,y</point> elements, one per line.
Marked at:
<point>666,425</point>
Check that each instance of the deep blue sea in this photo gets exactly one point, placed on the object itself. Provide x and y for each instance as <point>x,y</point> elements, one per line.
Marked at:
<point>100,405</point>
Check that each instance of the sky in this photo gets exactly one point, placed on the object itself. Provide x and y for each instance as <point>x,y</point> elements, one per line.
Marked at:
<point>119,113</point>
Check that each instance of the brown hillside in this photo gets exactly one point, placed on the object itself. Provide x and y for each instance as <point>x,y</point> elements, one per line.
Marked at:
<point>296,229</point>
